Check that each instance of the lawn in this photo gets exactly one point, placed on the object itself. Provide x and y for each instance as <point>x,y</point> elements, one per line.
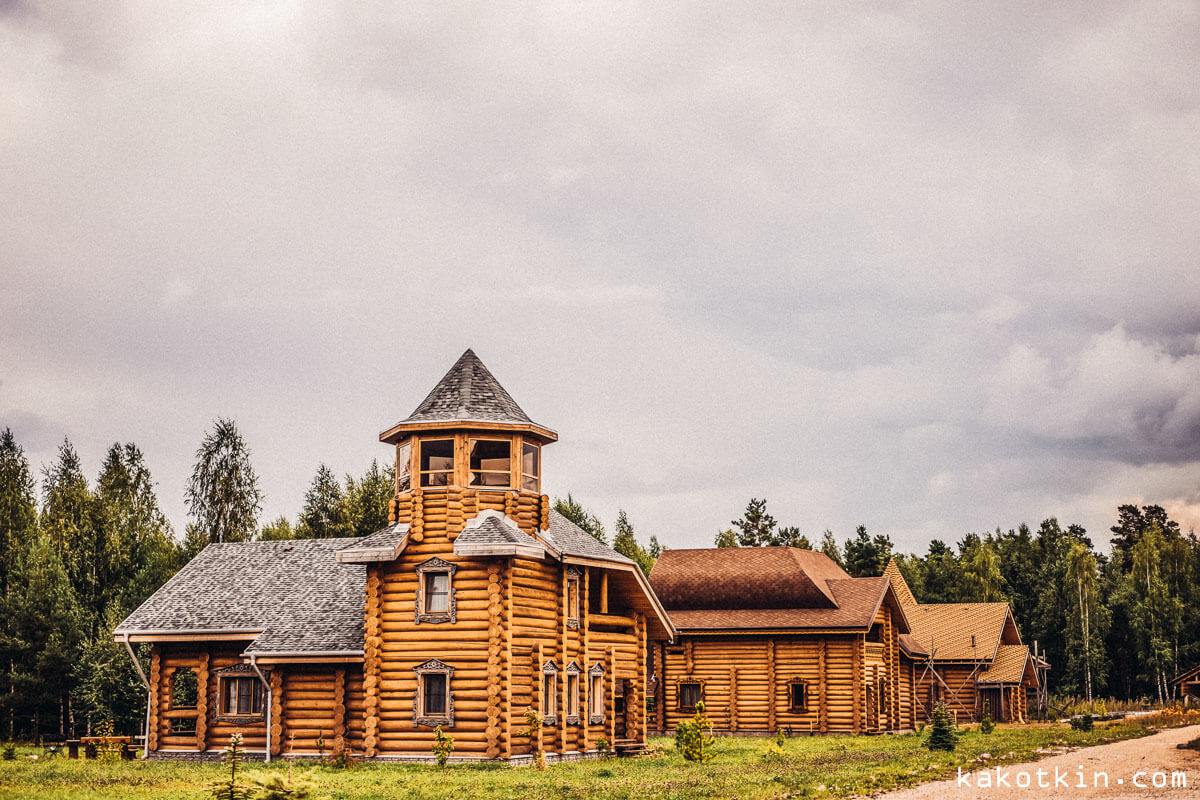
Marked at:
<point>831,766</point>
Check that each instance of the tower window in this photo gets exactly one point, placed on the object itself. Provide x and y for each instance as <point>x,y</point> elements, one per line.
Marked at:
<point>403,467</point>
<point>491,463</point>
<point>531,457</point>
<point>437,462</point>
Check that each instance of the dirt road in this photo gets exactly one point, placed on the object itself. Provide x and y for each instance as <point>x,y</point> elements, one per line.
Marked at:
<point>1138,768</point>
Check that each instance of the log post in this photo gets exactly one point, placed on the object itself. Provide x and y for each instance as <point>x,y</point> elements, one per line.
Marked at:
<point>454,514</point>
<point>202,703</point>
<point>772,689</point>
<point>860,678</point>
<point>416,526</point>
<point>585,688</point>
<point>156,692</point>
<point>545,512</point>
<point>539,681</point>
<point>641,657</point>
<point>339,706</point>
<point>278,710</point>
<point>660,686</point>
<point>823,689</point>
<point>611,658</point>
<point>495,649</point>
<point>604,592</point>
<point>371,661</point>
<point>508,660</point>
<point>733,704</point>
<point>688,658</point>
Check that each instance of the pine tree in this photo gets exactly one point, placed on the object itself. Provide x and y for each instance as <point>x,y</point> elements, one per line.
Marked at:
<point>829,547</point>
<point>942,735</point>
<point>324,512</point>
<point>68,520</point>
<point>866,557</point>
<point>573,510</point>
<point>222,495</point>
<point>18,525</point>
<point>725,538</point>
<point>790,536</point>
<point>756,528</point>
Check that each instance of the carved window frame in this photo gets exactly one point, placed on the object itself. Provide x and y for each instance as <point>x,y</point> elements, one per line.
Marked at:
<point>435,565</point>
<point>573,611</point>
<point>573,698</point>
<point>792,707</point>
<point>433,667</point>
<point>679,706</point>
<point>597,671</point>
<point>549,698</point>
<point>238,672</point>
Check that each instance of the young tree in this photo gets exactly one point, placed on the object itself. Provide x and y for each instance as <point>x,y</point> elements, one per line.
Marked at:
<point>983,572</point>
<point>367,499</point>
<point>625,542</point>
<point>790,536</point>
<point>1082,574</point>
<point>829,547</point>
<point>324,512</point>
<point>277,530</point>
<point>573,510</point>
<point>756,528</point>
<point>725,538</point>
<point>222,495</point>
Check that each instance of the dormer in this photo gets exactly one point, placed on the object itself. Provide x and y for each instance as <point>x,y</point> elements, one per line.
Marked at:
<point>468,433</point>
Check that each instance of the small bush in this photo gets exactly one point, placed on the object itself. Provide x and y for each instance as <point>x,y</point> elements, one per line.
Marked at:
<point>987,725</point>
<point>108,749</point>
<point>443,745</point>
<point>1084,722</point>
<point>9,752</point>
<point>231,789</point>
<point>780,738</point>
<point>285,787</point>
<point>341,757</point>
<point>693,737</point>
<point>603,745</point>
<point>942,735</point>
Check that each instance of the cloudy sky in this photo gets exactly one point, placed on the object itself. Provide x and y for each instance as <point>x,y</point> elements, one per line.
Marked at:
<point>927,267</point>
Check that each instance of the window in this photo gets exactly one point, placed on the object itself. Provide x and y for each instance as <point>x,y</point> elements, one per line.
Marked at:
<point>691,693</point>
<point>596,694</point>
<point>572,609</point>
<point>491,463</point>
<point>797,696</point>
<point>549,693</point>
<point>434,702</point>
<point>242,697</point>
<point>572,709</point>
<point>530,465</point>
<point>183,688</point>
<point>403,467</point>
<point>435,592</point>
<point>437,462</point>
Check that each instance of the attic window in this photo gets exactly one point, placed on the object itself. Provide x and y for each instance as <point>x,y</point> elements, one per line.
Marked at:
<point>531,456</point>
<point>437,462</point>
<point>689,694</point>
<point>491,463</point>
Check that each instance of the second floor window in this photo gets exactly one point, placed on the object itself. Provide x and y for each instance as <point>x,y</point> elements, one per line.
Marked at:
<point>491,463</point>
<point>437,462</point>
<point>530,465</point>
<point>437,592</point>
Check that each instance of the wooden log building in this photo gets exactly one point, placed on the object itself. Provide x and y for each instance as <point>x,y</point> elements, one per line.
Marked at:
<point>476,603</point>
<point>975,658</point>
<point>777,638</point>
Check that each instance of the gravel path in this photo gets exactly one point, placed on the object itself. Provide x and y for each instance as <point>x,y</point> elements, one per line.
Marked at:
<point>1156,756</point>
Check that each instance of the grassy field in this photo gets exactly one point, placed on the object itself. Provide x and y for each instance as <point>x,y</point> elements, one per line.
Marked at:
<point>832,766</point>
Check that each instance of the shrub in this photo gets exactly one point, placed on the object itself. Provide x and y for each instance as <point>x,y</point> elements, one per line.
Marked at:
<point>341,757</point>
<point>442,746</point>
<point>285,787</point>
<point>780,738</point>
<point>9,752</point>
<point>1083,722</point>
<point>693,738</point>
<point>987,725</point>
<point>108,749</point>
<point>942,735</point>
<point>603,745</point>
<point>231,789</point>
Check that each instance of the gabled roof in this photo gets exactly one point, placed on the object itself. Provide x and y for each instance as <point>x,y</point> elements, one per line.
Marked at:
<point>571,540</point>
<point>384,544</point>
<point>1187,675</point>
<point>892,573</point>
<point>468,394</point>
<point>1013,664</point>
<point>945,629</point>
<point>289,596</point>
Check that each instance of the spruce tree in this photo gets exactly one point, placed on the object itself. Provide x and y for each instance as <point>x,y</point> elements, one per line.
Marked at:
<point>18,506</point>
<point>756,528</point>
<point>324,512</point>
<point>366,499</point>
<point>942,735</point>
<point>222,494</point>
<point>69,522</point>
<point>625,542</point>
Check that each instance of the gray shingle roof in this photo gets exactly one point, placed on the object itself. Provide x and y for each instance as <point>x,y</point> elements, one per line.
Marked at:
<point>492,528</point>
<point>572,540</point>
<point>295,592</point>
<point>468,392</point>
<point>382,545</point>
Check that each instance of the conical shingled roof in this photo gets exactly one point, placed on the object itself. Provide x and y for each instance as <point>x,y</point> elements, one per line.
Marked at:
<point>468,392</point>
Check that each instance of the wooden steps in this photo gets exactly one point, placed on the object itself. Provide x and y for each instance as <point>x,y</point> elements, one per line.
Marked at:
<point>626,748</point>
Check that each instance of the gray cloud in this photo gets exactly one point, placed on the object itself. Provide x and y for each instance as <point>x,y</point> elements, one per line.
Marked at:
<point>932,269</point>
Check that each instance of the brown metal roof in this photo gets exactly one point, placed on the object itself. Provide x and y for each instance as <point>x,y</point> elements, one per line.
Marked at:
<point>1013,664</point>
<point>946,629</point>
<point>910,645</point>
<point>903,593</point>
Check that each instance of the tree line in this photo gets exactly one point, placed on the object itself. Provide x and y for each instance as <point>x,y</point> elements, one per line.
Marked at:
<point>1121,623</point>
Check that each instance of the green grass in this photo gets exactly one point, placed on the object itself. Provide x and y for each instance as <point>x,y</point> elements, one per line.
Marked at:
<point>743,768</point>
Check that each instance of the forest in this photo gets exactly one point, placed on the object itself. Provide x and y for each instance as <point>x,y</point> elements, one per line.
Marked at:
<point>76,556</point>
